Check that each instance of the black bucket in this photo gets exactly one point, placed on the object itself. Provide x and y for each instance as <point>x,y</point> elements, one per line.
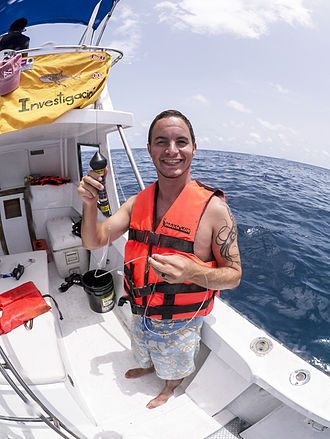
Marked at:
<point>100,290</point>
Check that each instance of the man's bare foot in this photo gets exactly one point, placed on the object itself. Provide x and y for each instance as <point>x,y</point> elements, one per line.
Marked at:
<point>165,394</point>
<point>138,372</point>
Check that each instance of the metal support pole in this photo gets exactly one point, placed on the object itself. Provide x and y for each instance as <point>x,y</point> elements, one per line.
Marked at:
<point>90,24</point>
<point>130,157</point>
<point>106,22</point>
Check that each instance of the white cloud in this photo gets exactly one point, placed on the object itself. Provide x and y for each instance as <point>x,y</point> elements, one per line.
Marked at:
<point>203,140</point>
<point>244,18</point>
<point>256,137</point>
<point>275,127</point>
<point>146,123</point>
<point>235,124</point>
<point>280,89</point>
<point>128,32</point>
<point>269,125</point>
<point>200,99</point>
<point>284,139</point>
<point>238,106</point>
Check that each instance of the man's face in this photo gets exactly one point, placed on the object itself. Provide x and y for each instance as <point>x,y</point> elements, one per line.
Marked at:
<point>171,147</point>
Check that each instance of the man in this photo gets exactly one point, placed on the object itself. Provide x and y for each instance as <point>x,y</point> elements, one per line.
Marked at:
<point>182,247</point>
<point>14,39</point>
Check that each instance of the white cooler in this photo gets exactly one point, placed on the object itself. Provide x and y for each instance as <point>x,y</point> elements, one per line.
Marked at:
<point>68,253</point>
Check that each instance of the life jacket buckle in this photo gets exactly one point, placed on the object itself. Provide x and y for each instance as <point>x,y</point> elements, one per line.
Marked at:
<point>136,309</point>
<point>123,299</point>
<point>153,239</point>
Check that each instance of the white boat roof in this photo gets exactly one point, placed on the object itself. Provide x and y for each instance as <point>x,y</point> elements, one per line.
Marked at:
<point>76,123</point>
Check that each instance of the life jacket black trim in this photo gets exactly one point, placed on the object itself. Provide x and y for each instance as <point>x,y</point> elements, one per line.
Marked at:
<point>166,311</point>
<point>160,240</point>
<point>217,192</point>
<point>160,287</point>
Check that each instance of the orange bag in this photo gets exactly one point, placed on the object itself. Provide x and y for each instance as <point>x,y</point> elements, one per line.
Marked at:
<point>20,305</point>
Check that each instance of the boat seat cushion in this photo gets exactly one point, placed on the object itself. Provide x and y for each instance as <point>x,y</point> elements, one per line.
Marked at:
<point>34,353</point>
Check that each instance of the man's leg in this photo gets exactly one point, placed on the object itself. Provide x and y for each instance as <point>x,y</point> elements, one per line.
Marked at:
<point>140,350</point>
<point>184,364</point>
<point>139,372</point>
<point>176,361</point>
<point>165,394</point>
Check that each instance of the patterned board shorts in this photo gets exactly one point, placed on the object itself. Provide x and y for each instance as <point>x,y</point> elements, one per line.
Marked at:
<point>169,345</point>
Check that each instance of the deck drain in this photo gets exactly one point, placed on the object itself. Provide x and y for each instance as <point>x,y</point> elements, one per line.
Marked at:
<point>261,346</point>
<point>300,377</point>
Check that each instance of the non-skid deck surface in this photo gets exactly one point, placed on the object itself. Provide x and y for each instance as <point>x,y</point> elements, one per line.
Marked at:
<point>99,351</point>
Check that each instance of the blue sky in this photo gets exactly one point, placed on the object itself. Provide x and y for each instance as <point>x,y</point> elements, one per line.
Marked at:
<point>251,75</point>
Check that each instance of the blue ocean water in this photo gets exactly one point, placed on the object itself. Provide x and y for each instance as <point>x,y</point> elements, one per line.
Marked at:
<point>282,209</point>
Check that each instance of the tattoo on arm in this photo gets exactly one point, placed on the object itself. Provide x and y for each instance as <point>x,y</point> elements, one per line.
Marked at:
<point>226,238</point>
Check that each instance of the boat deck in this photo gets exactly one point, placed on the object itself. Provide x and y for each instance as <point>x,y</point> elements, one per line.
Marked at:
<point>98,347</point>
<point>77,367</point>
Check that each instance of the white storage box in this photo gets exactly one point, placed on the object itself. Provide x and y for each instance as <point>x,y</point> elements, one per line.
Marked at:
<point>68,253</point>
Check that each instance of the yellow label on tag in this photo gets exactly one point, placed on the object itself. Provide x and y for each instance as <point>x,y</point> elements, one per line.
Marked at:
<point>108,301</point>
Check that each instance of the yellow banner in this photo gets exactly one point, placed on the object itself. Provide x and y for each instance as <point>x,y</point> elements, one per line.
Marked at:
<point>51,85</point>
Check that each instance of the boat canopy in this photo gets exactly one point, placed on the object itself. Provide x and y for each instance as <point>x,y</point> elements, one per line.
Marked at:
<point>63,11</point>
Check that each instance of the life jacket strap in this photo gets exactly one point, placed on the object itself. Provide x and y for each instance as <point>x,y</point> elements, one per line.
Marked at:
<point>217,192</point>
<point>160,240</point>
<point>159,287</point>
<point>167,312</point>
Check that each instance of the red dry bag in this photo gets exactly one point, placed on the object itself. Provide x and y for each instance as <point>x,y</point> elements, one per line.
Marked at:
<point>20,305</point>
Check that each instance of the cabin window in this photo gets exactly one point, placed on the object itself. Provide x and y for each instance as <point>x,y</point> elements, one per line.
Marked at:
<point>12,208</point>
<point>37,152</point>
<point>45,161</point>
<point>85,153</point>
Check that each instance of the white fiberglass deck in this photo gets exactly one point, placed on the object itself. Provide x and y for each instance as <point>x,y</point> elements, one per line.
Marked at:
<point>95,353</point>
<point>98,347</point>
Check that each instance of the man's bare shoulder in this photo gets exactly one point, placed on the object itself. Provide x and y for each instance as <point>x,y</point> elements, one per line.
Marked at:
<point>217,208</point>
<point>219,217</point>
<point>131,200</point>
<point>119,222</point>
<point>128,205</point>
<point>216,225</point>
<point>123,214</point>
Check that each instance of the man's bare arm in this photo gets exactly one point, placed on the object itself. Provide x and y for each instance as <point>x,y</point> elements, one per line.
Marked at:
<point>226,252</point>
<point>224,243</point>
<point>97,234</point>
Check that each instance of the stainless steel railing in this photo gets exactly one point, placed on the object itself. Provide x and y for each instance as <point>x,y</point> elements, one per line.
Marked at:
<point>32,401</point>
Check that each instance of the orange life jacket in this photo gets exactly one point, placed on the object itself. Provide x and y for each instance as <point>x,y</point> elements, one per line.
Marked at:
<point>147,293</point>
<point>42,181</point>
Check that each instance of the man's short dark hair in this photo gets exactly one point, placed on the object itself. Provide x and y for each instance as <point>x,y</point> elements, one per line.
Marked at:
<point>171,113</point>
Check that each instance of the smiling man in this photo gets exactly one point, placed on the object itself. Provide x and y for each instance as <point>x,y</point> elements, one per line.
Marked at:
<point>182,249</point>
